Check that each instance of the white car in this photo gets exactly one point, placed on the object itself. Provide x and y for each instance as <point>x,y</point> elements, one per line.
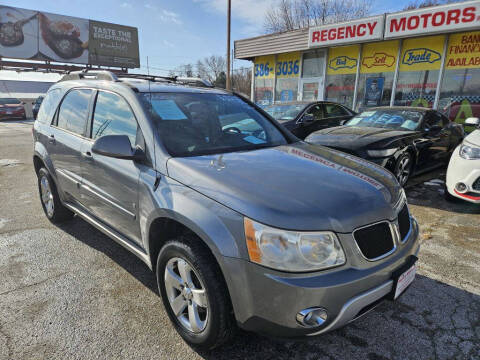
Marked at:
<point>463,174</point>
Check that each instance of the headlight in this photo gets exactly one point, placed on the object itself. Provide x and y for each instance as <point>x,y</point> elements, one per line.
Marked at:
<point>292,250</point>
<point>469,152</point>
<point>382,153</point>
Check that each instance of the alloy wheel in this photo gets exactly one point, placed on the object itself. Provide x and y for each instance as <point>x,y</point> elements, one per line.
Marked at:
<point>47,196</point>
<point>186,294</point>
<point>403,170</point>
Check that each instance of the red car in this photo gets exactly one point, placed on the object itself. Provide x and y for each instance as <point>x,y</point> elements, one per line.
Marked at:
<point>11,108</point>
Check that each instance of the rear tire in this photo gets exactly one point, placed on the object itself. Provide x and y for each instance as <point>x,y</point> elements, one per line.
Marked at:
<point>50,200</point>
<point>203,315</point>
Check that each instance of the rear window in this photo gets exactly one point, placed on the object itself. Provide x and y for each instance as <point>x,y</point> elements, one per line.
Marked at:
<point>74,111</point>
<point>48,107</point>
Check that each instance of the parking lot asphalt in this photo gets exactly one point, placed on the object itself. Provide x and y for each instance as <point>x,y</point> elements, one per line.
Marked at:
<point>70,292</point>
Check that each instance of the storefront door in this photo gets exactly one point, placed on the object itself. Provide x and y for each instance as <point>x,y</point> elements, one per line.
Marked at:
<point>311,89</point>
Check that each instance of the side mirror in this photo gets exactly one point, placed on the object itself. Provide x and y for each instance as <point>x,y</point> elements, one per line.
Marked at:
<point>118,147</point>
<point>307,119</point>
<point>472,121</point>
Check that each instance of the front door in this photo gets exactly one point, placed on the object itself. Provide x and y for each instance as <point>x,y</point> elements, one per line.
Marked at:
<point>311,89</point>
<point>110,186</point>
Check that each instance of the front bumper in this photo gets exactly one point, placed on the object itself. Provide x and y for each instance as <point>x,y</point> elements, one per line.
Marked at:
<point>267,301</point>
<point>464,171</point>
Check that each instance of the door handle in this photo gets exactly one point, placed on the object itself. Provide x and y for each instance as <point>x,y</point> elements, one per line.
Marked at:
<point>87,154</point>
<point>51,139</point>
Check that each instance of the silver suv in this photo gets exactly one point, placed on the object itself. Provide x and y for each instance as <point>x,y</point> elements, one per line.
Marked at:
<point>243,223</point>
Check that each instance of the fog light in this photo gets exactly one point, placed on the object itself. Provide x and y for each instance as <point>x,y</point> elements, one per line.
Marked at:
<point>312,317</point>
<point>461,187</point>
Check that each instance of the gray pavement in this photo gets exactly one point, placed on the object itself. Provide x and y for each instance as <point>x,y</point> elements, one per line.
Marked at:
<point>70,292</point>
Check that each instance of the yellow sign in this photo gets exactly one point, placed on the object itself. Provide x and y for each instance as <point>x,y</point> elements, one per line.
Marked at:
<point>463,51</point>
<point>265,67</point>
<point>343,60</point>
<point>379,57</point>
<point>288,65</point>
<point>422,53</point>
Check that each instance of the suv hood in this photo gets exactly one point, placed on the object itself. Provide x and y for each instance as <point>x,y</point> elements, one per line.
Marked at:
<point>353,137</point>
<point>296,187</point>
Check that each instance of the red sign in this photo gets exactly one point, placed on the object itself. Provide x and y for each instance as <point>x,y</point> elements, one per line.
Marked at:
<point>349,32</point>
<point>445,18</point>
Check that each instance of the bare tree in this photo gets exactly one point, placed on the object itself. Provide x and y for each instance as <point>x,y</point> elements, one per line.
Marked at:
<point>242,81</point>
<point>211,67</point>
<point>288,15</point>
<point>427,3</point>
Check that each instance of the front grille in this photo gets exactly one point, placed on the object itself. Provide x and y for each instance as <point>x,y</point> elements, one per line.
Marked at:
<point>374,241</point>
<point>404,222</point>
<point>476,185</point>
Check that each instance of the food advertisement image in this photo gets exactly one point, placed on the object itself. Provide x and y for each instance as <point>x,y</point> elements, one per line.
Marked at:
<point>63,38</point>
<point>18,33</point>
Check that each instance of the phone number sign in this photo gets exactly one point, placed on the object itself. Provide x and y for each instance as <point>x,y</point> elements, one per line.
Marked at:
<point>285,66</point>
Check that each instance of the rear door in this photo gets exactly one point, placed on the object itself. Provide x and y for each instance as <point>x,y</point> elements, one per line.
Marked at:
<point>110,186</point>
<point>65,139</point>
<point>335,113</point>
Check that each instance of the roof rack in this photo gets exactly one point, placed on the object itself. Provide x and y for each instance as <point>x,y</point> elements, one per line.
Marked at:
<point>89,74</point>
<point>110,76</point>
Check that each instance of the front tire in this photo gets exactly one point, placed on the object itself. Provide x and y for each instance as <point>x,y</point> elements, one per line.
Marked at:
<point>403,168</point>
<point>51,203</point>
<point>194,293</point>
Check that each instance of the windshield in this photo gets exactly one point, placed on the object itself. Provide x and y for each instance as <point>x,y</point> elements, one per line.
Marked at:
<point>9,101</point>
<point>284,112</point>
<point>193,124</point>
<point>388,118</point>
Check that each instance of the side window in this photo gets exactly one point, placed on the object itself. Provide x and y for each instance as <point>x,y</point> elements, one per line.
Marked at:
<point>113,116</point>
<point>433,119</point>
<point>73,111</point>
<point>48,107</point>
<point>316,111</point>
<point>333,110</point>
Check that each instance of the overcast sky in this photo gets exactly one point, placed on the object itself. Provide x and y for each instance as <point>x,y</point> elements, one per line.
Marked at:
<point>172,33</point>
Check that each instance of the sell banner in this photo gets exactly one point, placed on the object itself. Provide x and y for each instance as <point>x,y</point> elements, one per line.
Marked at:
<point>288,65</point>
<point>343,60</point>
<point>379,57</point>
<point>265,67</point>
<point>463,51</point>
<point>422,53</point>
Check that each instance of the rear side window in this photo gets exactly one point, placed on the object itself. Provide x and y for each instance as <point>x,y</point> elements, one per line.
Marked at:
<point>48,107</point>
<point>333,110</point>
<point>113,116</point>
<point>74,111</point>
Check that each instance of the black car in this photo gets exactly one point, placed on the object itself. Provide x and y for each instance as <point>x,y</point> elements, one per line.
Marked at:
<point>405,140</point>
<point>36,106</point>
<point>303,118</point>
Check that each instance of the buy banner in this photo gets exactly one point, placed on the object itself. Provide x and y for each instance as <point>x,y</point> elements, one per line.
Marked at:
<point>379,57</point>
<point>420,54</point>
<point>343,60</point>
<point>463,51</point>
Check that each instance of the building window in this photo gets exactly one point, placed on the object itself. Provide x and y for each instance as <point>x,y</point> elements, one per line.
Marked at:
<point>313,64</point>
<point>460,89</point>
<point>287,72</point>
<point>419,69</point>
<point>376,74</point>
<point>341,73</point>
<point>264,75</point>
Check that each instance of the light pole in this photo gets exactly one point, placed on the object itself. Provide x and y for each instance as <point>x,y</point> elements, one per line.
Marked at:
<point>229,15</point>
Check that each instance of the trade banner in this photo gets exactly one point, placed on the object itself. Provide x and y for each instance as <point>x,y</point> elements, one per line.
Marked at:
<point>423,53</point>
<point>343,60</point>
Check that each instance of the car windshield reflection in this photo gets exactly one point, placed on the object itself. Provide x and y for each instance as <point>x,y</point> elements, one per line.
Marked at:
<point>285,112</point>
<point>390,119</point>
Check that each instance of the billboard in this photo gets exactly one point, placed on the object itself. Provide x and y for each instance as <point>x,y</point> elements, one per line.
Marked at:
<point>36,35</point>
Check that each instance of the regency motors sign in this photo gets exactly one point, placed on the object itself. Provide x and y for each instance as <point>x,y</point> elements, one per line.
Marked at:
<point>361,30</point>
<point>36,35</point>
<point>440,19</point>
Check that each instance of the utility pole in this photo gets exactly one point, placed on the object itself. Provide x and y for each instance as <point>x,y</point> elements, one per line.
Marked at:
<point>229,15</point>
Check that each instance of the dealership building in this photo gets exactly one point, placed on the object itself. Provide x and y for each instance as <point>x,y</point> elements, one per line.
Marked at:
<point>426,57</point>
